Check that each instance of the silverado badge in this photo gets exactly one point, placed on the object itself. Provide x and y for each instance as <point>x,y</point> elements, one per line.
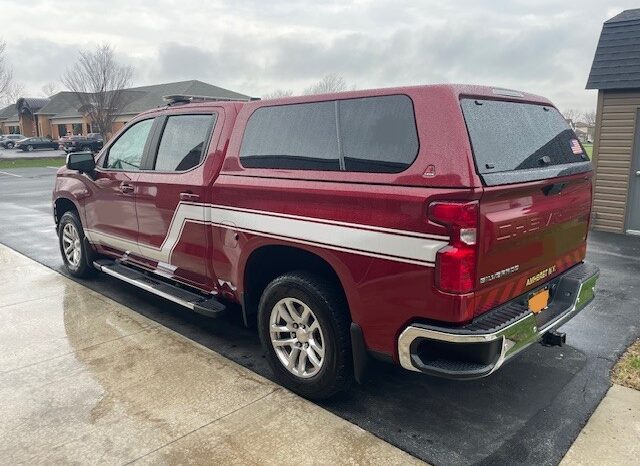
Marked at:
<point>500,274</point>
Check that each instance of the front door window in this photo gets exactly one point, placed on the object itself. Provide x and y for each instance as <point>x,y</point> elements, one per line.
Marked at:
<point>126,153</point>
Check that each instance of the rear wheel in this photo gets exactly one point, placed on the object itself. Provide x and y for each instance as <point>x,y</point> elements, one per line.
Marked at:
<point>303,323</point>
<point>10,145</point>
<point>72,245</point>
<point>86,149</point>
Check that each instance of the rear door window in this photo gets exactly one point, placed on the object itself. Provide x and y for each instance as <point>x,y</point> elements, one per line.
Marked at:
<point>513,136</point>
<point>371,134</point>
<point>183,142</point>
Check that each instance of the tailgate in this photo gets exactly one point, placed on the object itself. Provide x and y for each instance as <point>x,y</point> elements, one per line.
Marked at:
<point>529,234</point>
<point>534,212</point>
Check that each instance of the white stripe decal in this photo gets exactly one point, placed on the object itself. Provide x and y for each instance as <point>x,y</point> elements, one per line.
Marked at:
<point>360,226</point>
<point>398,245</point>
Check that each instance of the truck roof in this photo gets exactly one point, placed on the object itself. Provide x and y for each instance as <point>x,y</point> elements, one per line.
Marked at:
<point>456,90</point>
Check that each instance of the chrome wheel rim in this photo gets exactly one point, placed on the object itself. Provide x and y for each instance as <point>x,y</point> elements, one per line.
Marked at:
<point>71,245</point>
<point>297,337</point>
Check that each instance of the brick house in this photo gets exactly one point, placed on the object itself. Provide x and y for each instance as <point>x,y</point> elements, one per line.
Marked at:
<point>60,114</point>
<point>9,120</point>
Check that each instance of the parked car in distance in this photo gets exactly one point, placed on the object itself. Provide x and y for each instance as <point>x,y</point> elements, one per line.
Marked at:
<point>31,144</point>
<point>442,228</point>
<point>8,141</point>
<point>63,139</point>
<point>92,142</point>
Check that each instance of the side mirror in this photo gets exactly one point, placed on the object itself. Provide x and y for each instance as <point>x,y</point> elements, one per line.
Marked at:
<point>81,161</point>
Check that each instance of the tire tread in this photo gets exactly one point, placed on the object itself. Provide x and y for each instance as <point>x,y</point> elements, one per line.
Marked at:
<point>334,302</point>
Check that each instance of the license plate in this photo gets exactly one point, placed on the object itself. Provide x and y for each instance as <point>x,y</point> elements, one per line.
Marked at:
<point>539,301</point>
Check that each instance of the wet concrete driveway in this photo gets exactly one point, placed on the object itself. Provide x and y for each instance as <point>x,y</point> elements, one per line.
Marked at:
<point>86,380</point>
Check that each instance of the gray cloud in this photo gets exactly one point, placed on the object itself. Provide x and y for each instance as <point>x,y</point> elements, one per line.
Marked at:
<point>254,47</point>
<point>40,60</point>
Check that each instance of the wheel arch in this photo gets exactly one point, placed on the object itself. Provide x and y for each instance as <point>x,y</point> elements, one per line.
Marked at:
<point>268,261</point>
<point>63,204</point>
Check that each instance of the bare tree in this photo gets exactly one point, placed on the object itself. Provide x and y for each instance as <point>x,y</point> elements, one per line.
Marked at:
<point>329,83</point>
<point>590,118</point>
<point>98,81</point>
<point>6,73</point>
<point>277,94</point>
<point>571,114</point>
<point>49,89</point>
<point>13,92</point>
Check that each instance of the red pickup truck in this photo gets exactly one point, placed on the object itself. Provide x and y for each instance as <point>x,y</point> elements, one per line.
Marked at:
<point>441,227</point>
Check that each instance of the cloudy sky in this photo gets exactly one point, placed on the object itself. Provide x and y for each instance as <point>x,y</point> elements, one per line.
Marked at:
<point>255,47</point>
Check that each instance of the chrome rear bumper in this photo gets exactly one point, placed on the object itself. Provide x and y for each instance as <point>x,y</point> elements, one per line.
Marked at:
<point>475,350</point>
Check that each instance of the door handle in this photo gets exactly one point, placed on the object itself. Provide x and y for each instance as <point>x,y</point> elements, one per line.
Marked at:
<point>189,197</point>
<point>126,188</point>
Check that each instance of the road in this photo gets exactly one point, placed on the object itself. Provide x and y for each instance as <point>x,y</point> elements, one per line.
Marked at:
<point>529,412</point>
<point>17,154</point>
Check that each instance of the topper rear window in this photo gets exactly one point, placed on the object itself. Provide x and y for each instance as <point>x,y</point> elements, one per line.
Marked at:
<point>533,140</point>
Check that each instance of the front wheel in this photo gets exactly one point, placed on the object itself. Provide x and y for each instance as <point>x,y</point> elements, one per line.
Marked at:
<point>303,323</point>
<point>73,247</point>
<point>9,145</point>
<point>29,148</point>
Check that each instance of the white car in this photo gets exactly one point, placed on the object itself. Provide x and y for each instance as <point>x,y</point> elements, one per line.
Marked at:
<point>8,141</point>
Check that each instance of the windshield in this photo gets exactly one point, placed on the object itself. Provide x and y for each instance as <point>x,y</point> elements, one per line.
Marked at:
<point>508,136</point>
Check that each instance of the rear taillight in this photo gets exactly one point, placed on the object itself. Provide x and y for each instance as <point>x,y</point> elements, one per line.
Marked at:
<point>456,263</point>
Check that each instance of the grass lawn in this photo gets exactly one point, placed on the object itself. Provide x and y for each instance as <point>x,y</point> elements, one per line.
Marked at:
<point>589,149</point>
<point>29,163</point>
<point>627,370</point>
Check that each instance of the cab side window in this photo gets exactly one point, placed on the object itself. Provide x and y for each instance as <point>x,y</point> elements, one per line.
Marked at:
<point>184,141</point>
<point>126,153</point>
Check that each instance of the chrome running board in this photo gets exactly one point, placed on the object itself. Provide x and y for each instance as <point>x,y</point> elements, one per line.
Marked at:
<point>210,307</point>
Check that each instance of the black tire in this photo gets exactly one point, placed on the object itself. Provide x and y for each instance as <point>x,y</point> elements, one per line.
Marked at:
<point>9,145</point>
<point>330,309</point>
<point>86,149</point>
<point>81,269</point>
<point>29,148</point>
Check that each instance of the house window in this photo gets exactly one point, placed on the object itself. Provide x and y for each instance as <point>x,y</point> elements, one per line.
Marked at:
<point>76,128</point>
<point>62,130</point>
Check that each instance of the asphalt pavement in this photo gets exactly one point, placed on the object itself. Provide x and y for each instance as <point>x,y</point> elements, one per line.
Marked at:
<point>38,153</point>
<point>529,412</point>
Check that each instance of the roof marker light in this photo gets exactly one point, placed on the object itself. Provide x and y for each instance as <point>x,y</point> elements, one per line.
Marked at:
<point>507,92</point>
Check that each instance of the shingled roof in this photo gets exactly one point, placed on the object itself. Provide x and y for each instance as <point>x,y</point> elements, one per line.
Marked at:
<point>136,99</point>
<point>8,112</point>
<point>616,64</point>
<point>30,104</point>
<point>151,96</point>
<point>60,102</point>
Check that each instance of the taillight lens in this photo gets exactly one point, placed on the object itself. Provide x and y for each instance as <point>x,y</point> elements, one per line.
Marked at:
<point>456,263</point>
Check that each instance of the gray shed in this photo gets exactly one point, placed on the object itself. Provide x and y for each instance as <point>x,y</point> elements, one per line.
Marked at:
<point>616,74</point>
